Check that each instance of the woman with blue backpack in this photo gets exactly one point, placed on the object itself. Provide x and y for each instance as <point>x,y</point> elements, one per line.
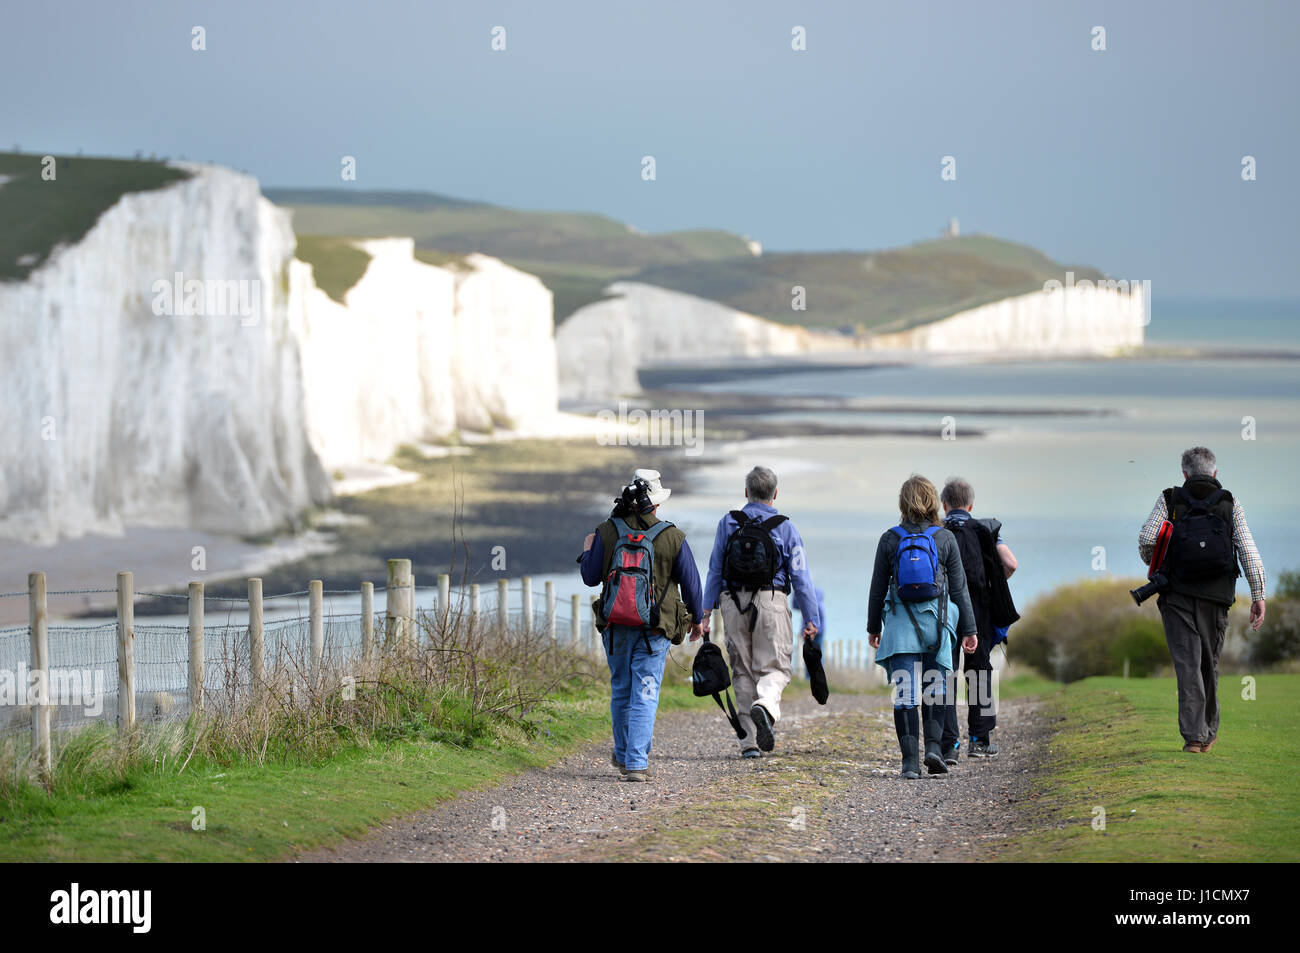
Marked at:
<point>917,606</point>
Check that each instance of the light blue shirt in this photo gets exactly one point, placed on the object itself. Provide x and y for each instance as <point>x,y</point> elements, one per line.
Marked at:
<point>794,562</point>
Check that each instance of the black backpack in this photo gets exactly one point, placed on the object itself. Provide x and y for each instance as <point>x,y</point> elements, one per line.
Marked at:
<point>1200,547</point>
<point>751,558</point>
<point>710,676</point>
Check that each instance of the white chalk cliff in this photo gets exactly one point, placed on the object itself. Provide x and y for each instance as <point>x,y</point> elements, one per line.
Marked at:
<point>1082,319</point>
<point>416,352</point>
<point>602,344</point>
<point>118,415</point>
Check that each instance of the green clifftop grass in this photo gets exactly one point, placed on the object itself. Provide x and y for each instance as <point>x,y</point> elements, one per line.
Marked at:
<point>38,214</point>
<point>577,255</point>
<point>1117,747</point>
<point>337,263</point>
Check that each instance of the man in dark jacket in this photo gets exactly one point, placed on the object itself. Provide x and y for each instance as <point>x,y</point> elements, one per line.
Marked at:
<point>1194,605</point>
<point>637,653</point>
<point>988,562</point>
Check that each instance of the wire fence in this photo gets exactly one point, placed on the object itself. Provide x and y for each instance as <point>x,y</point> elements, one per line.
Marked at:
<point>90,661</point>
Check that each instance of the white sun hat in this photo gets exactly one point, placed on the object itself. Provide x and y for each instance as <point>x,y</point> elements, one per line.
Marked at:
<point>657,491</point>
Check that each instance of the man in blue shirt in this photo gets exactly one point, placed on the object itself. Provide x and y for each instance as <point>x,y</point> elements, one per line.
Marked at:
<point>819,639</point>
<point>756,616</point>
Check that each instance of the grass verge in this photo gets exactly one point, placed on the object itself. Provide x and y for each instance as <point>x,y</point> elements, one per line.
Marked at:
<point>1117,747</point>
<point>270,811</point>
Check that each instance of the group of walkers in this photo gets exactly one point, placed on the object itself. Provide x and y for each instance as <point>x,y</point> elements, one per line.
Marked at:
<point>939,603</point>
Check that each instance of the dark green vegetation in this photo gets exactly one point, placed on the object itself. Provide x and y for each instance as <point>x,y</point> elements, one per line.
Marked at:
<point>1117,748</point>
<point>38,214</point>
<point>577,255</point>
<point>870,291</point>
<point>1278,640</point>
<point>337,263</point>
<point>1090,628</point>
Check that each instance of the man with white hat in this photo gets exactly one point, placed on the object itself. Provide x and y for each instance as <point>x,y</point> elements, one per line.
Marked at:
<point>650,598</point>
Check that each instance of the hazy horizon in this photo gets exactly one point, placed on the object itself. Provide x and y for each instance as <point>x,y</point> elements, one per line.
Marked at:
<point>1127,159</point>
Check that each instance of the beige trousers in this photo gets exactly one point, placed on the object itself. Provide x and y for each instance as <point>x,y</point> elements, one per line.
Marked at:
<point>760,657</point>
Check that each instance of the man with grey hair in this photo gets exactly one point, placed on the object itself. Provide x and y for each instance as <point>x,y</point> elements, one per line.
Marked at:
<point>988,563</point>
<point>758,557</point>
<point>1208,539</point>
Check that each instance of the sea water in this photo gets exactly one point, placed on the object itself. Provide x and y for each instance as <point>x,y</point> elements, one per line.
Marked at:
<point>1072,486</point>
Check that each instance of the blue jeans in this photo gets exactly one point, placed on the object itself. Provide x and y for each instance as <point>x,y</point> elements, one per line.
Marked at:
<point>913,675</point>
<point>635,674</point>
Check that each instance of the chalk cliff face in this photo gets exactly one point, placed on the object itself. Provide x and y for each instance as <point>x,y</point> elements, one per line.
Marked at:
<point>1069,320</point>
<point>226,420</point>
<point>602,344</point>
<point>115,413</point>
<point>416,352</point>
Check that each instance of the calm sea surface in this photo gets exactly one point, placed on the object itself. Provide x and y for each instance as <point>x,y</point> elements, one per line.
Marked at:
<point>1069,488</point>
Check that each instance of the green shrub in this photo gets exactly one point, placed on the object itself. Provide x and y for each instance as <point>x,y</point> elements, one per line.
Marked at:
<point>1278,639</point>
<point>1087,628</point>
<point>1141,641</point>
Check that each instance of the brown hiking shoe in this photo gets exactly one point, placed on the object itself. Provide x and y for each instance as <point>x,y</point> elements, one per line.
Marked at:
<point>1209,744</point>
<point>635,776</point>
<point>1194,748</point>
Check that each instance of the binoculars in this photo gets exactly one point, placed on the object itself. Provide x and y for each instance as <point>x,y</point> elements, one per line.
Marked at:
<point>1154,586</point>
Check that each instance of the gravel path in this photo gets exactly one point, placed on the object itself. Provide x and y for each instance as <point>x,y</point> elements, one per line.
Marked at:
<point>830,791</point>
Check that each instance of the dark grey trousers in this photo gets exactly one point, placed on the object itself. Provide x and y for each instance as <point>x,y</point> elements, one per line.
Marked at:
<point>1194,630</point>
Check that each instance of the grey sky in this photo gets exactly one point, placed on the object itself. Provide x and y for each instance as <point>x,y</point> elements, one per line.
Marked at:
<point>1128,159</point>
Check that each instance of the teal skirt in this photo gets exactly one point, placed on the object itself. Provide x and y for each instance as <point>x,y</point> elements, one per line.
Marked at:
<point>898,635</point>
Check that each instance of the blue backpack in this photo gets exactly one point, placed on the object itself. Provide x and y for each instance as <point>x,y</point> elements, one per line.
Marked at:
<point>916,566</point>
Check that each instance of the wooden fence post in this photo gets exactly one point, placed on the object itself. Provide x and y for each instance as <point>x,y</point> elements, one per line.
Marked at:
<point>125,653</point>
<point>316,621</point>
<point>444,600</point>
<point>473,605</point>
<point>550,610</point>
<point>503,606</point>
<point>195,679</point>
<point>367,622</point>
<point>256,643</point>
<point>526,602</point>
<point>575,621</point>
<point>40,670</point>
<point>399,603</point>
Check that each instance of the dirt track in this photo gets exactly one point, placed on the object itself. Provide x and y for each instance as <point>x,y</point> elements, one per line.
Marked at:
<point>830,791</point>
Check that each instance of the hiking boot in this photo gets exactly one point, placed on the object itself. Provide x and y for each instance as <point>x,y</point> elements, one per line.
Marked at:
<point>636,776</point>
<point>751,753</point>
<point>950,756</point>
<point>932,715</point>
<point>762,728</point>
<point>982,748</point>
<point>1209,744</point>
<point>1193,747</point>
<point>907,725</point>
<point>613,759</point>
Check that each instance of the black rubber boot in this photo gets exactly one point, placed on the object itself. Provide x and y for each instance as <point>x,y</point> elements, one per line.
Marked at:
<point>907,724</point>
<point>932,715</point>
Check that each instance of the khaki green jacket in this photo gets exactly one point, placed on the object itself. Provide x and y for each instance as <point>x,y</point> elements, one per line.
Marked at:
<point>674,619</point>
